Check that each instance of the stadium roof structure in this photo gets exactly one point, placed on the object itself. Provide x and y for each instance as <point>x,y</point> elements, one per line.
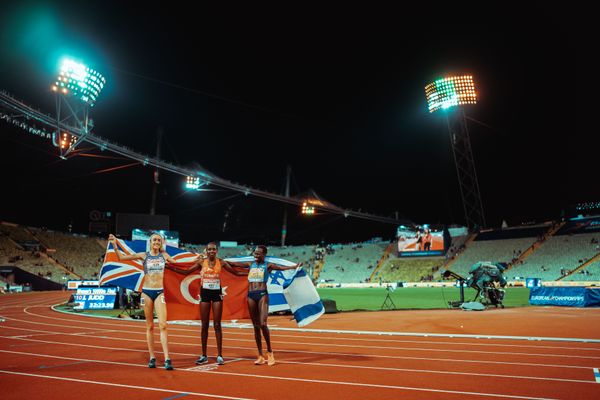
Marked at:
<point>17,107</point>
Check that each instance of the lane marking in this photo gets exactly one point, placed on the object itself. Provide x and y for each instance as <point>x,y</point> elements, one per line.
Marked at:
<point>214,366</point>
<point>62,365</point>
<point>319,331</point>
<point>408,388</point>
<point>384,333</point>
<point>450,360</point>
<point>176,396</point>
<point>123,386</point>
<point>370,347</point>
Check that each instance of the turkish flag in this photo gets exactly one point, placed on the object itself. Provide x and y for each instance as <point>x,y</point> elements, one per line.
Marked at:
<point>182,294</point>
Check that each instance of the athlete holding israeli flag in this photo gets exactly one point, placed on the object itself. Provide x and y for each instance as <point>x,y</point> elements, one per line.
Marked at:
<point>258,298</point>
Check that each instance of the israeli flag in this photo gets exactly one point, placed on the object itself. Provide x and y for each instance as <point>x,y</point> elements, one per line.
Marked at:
<point>302,297</point>
<point>292,290</point>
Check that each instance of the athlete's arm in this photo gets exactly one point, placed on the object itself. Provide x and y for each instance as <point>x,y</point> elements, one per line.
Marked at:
<point>124,257</point>
<point>233,270</point>
<point>282,268</point>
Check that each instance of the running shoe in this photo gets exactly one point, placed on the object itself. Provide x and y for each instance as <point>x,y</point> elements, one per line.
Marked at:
<point>220,360</point>
<point>260,360</point>
<point>270,358</point>
<point>152,363</point>
<point>168,365</point>
<point>202,360</point>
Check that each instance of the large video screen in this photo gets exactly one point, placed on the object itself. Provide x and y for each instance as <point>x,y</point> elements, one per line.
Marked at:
<point>422,240</point>
<point>171,237</point>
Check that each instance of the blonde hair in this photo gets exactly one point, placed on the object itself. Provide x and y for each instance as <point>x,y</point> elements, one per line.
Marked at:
<point>163,246</point>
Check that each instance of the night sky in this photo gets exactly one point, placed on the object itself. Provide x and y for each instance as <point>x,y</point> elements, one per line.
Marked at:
<point>336,94</point>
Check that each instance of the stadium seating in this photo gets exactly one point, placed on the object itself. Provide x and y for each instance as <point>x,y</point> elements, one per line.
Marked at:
<point>589,273</point>
<point>78,253</point>
<point>409,269</point>
<point>35,262</point>
<point>352,262</point>
<point>503,250</point>
<point>558,254</point>
<point>60,256</point>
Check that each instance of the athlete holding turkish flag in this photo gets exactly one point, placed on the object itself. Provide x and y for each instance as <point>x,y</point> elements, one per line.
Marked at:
<point>210,269</point>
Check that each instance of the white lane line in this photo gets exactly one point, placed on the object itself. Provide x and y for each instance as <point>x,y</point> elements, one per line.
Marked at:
<point>419,349</point>
<point>237,326</point>
<point>345,383</point>
<point>42,333</point>
<point>31,302</point>
<point>408,388</point>
<point>72,359</point>
<point>121,385</point>
<point>252,349</point>
<point>417,334</point>
<point>213,366</point>
<point>32,335</point>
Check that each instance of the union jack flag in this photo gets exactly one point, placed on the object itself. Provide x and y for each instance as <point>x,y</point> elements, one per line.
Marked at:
<point>130,274</point>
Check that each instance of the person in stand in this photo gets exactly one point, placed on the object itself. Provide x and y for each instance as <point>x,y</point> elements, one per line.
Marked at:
<point>258,299</point>
<point>211,296</point>
<point>154,261</point>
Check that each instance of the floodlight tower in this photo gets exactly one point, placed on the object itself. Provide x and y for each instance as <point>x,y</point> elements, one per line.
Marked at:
<point>446,94</point>
<point>77,87</point>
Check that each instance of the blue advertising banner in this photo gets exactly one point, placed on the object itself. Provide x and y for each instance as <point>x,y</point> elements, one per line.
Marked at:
<point>564,296</point>
<point>592,297</point>
<point>95,298</point>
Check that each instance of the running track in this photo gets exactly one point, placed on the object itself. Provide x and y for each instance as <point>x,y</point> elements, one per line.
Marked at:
<point>64,356</point>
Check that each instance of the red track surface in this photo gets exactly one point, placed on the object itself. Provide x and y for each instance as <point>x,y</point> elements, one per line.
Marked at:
<point>60,356</point>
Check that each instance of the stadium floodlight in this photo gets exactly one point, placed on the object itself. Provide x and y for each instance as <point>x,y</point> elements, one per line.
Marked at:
<point>195,183</point>
<point>455,92</point>
<point>192,183</point>
<point>67,140</point>
<point>77,88</point>
<point>450,91</point>
<point>307,208</point>
<point>79,81</point>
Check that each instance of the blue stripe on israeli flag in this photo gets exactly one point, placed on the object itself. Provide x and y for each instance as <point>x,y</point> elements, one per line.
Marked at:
<point>309,313</point>
<point>303,299</point>
<point>277,299</point>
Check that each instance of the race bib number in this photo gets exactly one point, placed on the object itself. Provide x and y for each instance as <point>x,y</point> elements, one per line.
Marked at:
<point>212,284</point>
<point>154,266</point>
<point>256,275</point>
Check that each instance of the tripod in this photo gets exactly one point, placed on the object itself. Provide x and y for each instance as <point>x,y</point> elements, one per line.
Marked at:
<point>388,303</point>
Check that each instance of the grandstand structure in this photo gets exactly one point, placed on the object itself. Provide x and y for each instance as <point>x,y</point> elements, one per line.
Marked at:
<point>19,247</point>
<point>352,262</point>
<point>565,253</point>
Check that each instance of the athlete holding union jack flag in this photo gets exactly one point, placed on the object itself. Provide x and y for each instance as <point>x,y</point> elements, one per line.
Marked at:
<point>153,263</point>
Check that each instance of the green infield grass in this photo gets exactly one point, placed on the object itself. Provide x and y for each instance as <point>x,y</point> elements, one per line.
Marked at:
<point>348,299</point>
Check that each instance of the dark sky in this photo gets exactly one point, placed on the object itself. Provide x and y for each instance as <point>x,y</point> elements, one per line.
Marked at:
<point>337,94</point>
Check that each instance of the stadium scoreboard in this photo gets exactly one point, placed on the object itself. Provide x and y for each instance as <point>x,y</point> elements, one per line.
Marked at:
<point>95,298</point>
